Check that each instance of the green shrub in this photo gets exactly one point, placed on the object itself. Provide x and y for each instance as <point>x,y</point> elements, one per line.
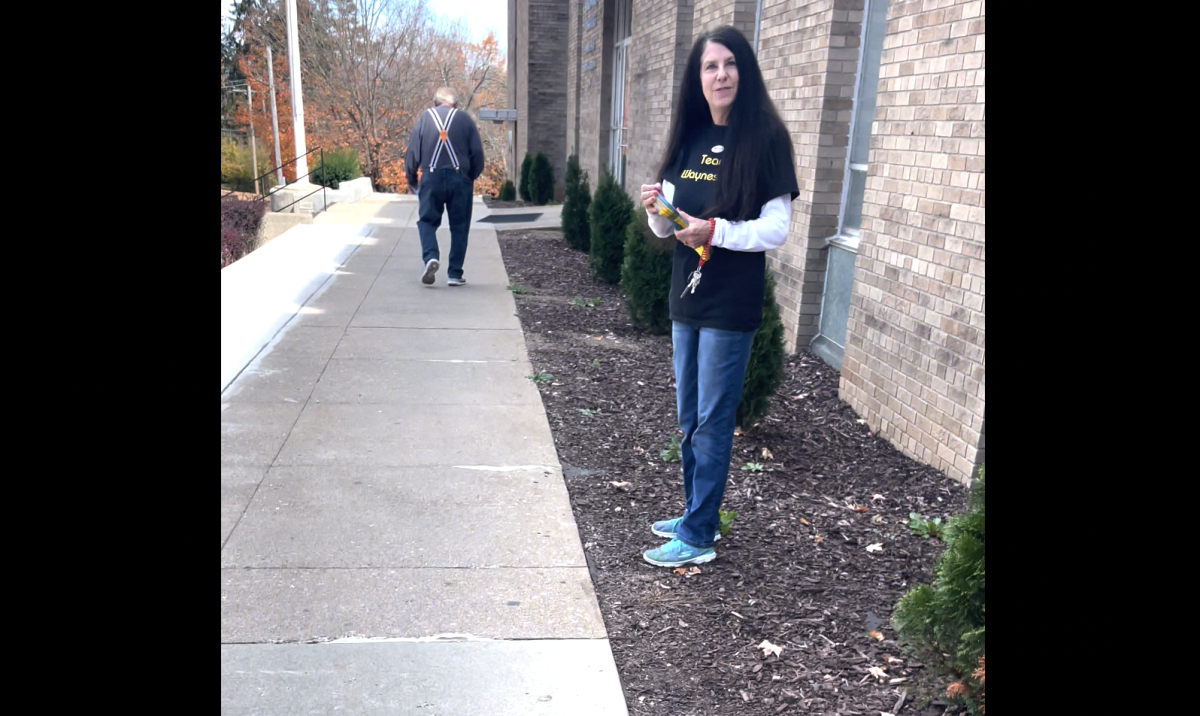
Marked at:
<point>948,617</point>
<point>526,165</point>
<point>671,453</point>
<point>340,165</point>
<point>646,276</point>
<point>576,199</point>
<point>610,213</point>
<point>507,191</point>
<point>236,174</point>
<point>764,373</point>
<point>541,180</point>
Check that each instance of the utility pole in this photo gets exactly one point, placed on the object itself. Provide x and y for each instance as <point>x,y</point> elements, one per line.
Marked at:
<point>253,151</point>
<point>274,118</point>
<point>297,93</point>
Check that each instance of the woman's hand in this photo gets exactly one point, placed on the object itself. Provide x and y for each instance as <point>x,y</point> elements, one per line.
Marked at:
<point>696,233</point>
<point>649,191</point>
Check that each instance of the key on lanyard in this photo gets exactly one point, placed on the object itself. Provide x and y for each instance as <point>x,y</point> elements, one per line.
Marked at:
<point>692,283</point>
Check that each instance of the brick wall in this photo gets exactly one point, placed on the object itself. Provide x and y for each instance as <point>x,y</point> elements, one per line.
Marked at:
<point>714,13</point>
<point>808,53</point>
<point>914,360</point>
<point>574,65</point>
<point>595,84</point>
<point>542,41</point>
<point>662,38</point>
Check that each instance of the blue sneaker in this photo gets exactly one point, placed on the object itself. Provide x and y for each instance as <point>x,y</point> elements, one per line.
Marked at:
<point>668,528</point>
<point>677,554</point>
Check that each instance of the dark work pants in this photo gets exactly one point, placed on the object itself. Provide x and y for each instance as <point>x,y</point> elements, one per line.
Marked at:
<point>453,191</point>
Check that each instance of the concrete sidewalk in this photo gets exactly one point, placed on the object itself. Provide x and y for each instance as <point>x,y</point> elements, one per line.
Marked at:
<point>396,535</point>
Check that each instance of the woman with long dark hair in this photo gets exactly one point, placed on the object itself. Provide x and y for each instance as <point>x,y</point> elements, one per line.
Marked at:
<point>729,170</point>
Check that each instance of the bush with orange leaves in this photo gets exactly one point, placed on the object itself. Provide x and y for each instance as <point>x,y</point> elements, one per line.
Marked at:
<point>961,691</point>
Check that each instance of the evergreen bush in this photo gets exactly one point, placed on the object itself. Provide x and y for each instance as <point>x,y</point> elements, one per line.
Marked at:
<point>948,617</point>
<point>340,165</point>
<point>526,165</point>
<point>507,191</point>
<point>646,276</point>
<point>610,213</point>
<point>764,372</point>
<point>541,180</point>
<point>576,199</point>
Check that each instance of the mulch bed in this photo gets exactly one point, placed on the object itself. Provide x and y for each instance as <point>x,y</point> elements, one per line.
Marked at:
<point>794,568</point>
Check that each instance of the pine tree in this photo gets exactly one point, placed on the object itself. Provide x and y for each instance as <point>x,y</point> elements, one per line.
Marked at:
<point>526,165</point>
<point>507,191</point>
<point>576,199</point>
<point>541,180</point>
<point>611,211</point>
<point>764,373</point>
<point>646,277</point>
<point>948,617</point>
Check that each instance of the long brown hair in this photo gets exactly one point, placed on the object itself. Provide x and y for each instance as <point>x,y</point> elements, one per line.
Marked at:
<point>755,129</point>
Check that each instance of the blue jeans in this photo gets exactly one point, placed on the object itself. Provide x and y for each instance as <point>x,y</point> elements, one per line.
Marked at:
<point>452,191</point>
<point>710,365</point>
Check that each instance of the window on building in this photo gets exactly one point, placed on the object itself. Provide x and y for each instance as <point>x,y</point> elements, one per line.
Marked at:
<point>622,34</point>
<point>843,246</point>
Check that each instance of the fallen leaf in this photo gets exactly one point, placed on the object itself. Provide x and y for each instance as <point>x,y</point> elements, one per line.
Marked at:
<point>876,498</point>
<point>877,672</point>
<point>861,508</point>
<point>817,539</point>
<point>767,454</point>
<point>738,431</point>
<point>877,547</point>
<point>769,648</point>
<point>693,570</point>
<point>804,520</point>
<point>622,486</point>
<point>877,519</point>
<point>679,570</point>
<point>875,635</point>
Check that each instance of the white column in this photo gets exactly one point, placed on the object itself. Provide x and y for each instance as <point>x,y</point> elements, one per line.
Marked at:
<point>297,96</point>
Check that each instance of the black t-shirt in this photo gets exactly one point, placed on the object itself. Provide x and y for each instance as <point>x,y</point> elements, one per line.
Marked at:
<point>730,293</point>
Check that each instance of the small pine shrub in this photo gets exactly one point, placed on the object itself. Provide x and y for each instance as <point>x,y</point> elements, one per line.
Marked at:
<point>576,199</point>
<point>507,191</point>
<point>526,165</point>
<point>948,617</point>
<point>541,180</point>
<point>610,213</point>
<point>239,228</point>
<point>764,372</point>
<point>646,277</point>
<point>340,165</point>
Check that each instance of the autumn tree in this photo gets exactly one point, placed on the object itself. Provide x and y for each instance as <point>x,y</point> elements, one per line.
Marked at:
<point>369,68</point>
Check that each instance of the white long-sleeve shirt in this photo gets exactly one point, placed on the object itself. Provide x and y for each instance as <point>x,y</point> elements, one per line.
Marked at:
<point>768,231</point>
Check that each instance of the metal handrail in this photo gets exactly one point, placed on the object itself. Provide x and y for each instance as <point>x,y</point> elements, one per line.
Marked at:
<point>264,194</point>
<point>269,192</point>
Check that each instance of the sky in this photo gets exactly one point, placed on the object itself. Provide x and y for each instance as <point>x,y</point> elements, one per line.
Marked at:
<point>479,16</point>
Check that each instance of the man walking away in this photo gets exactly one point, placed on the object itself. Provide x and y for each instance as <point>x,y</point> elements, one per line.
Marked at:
<point>445,145</point>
